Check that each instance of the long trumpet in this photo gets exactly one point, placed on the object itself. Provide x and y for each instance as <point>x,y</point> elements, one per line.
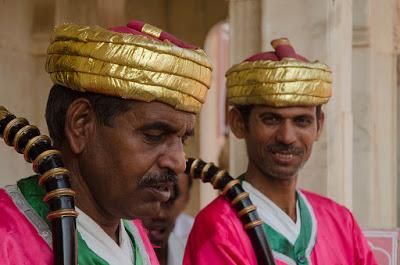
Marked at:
<point>47,162</point>
<point>232,190</point>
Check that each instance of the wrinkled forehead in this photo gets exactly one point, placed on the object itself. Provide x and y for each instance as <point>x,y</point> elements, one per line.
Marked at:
<point>161,113</point>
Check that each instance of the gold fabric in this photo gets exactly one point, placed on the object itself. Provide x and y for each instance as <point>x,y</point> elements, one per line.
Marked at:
<point>151,30</point>
<point>288,82</point>
<point>130,66</point>
<point>281,41</point>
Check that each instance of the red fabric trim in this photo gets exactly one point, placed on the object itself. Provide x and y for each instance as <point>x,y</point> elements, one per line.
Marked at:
<point>283,50</point>
<point>138,25</point>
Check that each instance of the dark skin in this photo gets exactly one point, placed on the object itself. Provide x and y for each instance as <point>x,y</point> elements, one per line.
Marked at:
<point>279,142</point>
<point>124,170</point>
<point>161,226</point>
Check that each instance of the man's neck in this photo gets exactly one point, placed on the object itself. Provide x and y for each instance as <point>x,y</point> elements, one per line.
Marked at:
<point>85,201</point>
<point>162,254</point>
<point>280,191</point>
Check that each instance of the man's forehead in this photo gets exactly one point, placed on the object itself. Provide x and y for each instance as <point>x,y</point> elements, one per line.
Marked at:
<point>150,112</point>
<point>293,111</point>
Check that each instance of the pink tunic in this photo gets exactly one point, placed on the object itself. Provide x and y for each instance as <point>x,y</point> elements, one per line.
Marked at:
<point>218,237</point>
<point>22,245</point>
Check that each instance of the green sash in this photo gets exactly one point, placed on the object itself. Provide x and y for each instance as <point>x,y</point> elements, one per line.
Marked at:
<point>299,252</point>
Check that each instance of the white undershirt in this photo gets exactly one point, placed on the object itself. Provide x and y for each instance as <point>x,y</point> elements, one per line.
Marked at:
<point>102,244</point>
<point>178,238</point>
<point>271,214</point>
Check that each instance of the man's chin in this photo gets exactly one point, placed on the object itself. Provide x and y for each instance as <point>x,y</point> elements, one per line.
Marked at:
<point>158,238</point>
<point>157,244</point>
<point>278,171</point>
<point>145,211</point>
<point>283,174</point>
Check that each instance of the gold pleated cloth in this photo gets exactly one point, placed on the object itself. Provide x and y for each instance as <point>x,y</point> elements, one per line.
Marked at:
<point>284,83</point>
<point>130,66</point>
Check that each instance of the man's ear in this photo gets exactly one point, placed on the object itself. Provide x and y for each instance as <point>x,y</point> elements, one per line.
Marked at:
<point>320,124</point>
<point>237,123</point>
<point>80,125</point>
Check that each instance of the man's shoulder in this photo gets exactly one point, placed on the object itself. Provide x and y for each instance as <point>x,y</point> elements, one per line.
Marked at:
<point>11,215</point>
<point>8,205</point>
<point>21,240</point>
<point>218,218</point>
<point>322,205</point>
<point>6,201</point>
<point>217,230</point>
<point>218,209</point>
<point>318,199</point>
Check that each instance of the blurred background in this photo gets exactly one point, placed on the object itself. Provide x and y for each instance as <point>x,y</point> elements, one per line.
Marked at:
<point>356,160</point>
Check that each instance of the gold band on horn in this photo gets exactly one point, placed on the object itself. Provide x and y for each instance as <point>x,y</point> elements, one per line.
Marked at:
<point>62,213</point>
<point>51,173</point>
<point>228,186</point>
<point>58,193</point>
<point>246,210</point>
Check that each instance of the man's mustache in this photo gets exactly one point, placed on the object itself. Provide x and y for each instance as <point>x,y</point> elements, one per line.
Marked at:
<point>289,149</point>
<point>157,223</point>
<point>151,180</point>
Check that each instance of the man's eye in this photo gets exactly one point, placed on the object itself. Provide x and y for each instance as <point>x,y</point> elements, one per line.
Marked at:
<point>153,137</point>
<point>271,120</point>
<point>303,122</point>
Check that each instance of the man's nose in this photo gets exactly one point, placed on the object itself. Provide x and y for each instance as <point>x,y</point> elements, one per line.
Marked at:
<point>286,133</point>
<point>160,216</point>
<point>173,158</point>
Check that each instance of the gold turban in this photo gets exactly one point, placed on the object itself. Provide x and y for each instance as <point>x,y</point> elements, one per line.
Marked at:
<point>129,63</point>
<point>279,79</point>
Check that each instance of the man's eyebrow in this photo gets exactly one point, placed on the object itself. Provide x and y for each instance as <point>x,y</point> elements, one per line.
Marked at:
<point>277,115</point>
<point>305,115</point>
<point>158,125</point>
<point>163,126</point>
<point>269,113</point>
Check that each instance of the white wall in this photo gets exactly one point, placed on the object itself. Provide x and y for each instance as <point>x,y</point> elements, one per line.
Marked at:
<point>23,82</point>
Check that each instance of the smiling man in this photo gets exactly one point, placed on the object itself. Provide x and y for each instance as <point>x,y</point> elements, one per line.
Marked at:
<point>277,98</point>
<point>123,103</point>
